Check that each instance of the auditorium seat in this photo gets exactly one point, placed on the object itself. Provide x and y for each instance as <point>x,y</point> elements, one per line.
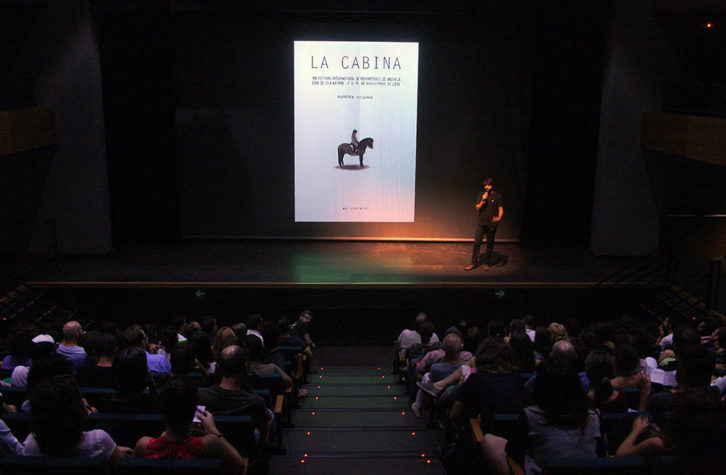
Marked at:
<point>18,465</point>
<point>143,466</point>
<point>586,466</point>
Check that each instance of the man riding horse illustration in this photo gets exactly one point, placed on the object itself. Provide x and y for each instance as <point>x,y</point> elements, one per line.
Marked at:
<point>354,148</point>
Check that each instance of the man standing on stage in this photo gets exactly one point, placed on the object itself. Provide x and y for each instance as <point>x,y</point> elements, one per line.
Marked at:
<point>490,207</point>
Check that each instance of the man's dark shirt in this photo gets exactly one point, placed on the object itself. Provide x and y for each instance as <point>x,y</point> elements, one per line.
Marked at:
<point>225,402</point>
<point>490,393</point>
<point>491,207</point>
<point>300,329</point>
<point>89,375</point>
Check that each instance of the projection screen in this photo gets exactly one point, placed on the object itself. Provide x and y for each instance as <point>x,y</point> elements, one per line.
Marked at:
<point>369,87</point>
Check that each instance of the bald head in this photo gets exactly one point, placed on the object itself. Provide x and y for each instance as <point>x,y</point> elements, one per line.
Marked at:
<point>421,319</point>
<point>72,331</point>
<point>452,346</point>
<point>564,354</point>
<point>232,361</point>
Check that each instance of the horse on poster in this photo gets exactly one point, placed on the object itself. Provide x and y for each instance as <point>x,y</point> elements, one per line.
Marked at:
<point>347,149</point>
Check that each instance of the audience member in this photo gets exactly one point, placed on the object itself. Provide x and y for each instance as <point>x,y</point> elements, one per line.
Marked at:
<point>58,420</point>
<point>440,354</point>
<point>557,332</point>
<point>529,326</point>
<point>254,351</point>
<point>497,328</point>
<point>224,337</point>
<point>695,434</point>
<point>301,328</point>
<point>135,389</point>
<point>629,374</point>
<point>69,347</point>
<point>179,405</point>
<point>233,395</point>
<point>9,445</point>
<point>97,372</point>
<point>285,338</point>
<point>495,387</point>
<point>20,346</point>
<point>542,344</point>
<point>564,357</point>
<point>600,370</point>
<point>451,359</point>
<point>523,350</point>
<point>254,325</point>
<point>209,325</point>
<point>559,424</point>
<point>134,336</point>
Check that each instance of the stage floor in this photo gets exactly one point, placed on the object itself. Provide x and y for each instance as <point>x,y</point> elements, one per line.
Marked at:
<point>325,264</point>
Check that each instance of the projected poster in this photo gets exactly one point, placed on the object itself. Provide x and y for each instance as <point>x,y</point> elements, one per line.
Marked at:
<point>368,87</point>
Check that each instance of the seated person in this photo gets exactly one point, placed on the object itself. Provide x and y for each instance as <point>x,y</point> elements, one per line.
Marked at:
<point>452,360</point>
<point>58,420</point>
<point>409,337</point>
<point>234,394</point>
<point>694,372</point>
<point>9,445</point>
<point>97,372</point>
<point>20,345</point>
<point>69,347</point>
<point>136,391</point>
<point>254,350</point>
<point>559,424</point>
<point>439,354</point>
<point>416,351</point>
<point>495,387</point>
<point>695,435</point>
<point>629,374</point>
<point>179,403</point>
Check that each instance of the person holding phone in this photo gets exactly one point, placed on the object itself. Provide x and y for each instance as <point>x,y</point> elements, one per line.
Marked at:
<point>179,407</point>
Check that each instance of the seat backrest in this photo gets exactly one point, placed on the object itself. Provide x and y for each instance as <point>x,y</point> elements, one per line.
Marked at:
<point>240,432</point>
<point>18,465</point>
<point>143,466</point>
<point>607,465</point>
<point>126,429</point>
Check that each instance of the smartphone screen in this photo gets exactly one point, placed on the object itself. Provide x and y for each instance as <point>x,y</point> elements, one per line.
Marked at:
<point>196,419</point>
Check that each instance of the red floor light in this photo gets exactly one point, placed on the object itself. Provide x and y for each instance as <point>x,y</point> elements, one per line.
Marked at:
<point>313,413</point>
<point>413,434</point>
<point>395,398</point>
<point>317,397</point>
<point>428,461</point>
<point>302,460</point>
<point>307,433</point>
<point>403,413</point>
<point>305,455</point>
<point>423,455</point>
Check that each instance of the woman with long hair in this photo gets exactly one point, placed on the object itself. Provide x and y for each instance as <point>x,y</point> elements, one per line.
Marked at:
<point>559,424</point>
<point>58,420</point>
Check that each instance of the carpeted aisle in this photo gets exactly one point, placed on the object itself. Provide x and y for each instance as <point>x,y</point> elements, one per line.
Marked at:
<point>356,421</point>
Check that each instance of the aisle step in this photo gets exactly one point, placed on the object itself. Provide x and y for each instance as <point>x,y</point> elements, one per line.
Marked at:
<point>357,418</point>
<point>350,402</point>
<point>357,390</point>
<point>350,371</point>
<point>383,379</point>
<point>326,441</point>
<point>379,465</point>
